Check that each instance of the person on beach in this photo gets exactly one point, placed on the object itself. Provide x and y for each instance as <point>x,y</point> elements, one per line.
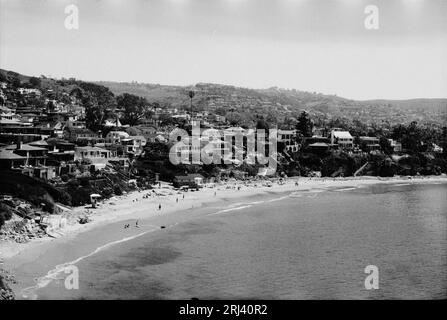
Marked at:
<point>183,196</point>
<point>136,224</point>
<point>176,200</point>
<point>159,206</point>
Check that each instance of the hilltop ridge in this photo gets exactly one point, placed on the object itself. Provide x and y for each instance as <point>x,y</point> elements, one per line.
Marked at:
<point>287,102</point>
<point>275,104</point>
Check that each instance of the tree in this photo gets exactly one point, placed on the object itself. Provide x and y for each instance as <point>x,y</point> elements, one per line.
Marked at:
<point>304,124</point>
<point>50,106</point>
<point>34,82</point>
<point>239,119</point>
<point>262,124</point>
<point>15,82</point>
<point>289,123</point>
<point>98,101</point>
<point>271,118</point>
<point>233,118</point>
<point>5,213</point>
<point>134,108</point>
<point>385,145</point>
<point>221,111</point>
<point>444,142</point>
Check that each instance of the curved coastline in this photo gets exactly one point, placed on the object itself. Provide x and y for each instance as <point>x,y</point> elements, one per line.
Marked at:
<point>31,262</point>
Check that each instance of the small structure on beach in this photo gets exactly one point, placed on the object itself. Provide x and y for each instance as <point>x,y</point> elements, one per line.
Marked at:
<point>192,180</point>
<point>94,197</point>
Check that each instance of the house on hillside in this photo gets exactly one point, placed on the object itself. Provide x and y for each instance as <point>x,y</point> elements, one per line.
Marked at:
<point>74,134</point>
<point>98,157</point>
<point>397,146</point>
<point>80,124</point>
<point>9,159</point>
<point>35,156</point>
<point>60,150</point>
<point>137,145</point>
<point>343,139</point>
<point>318,147</point>
<point>288,138</point>
<point>115,137</point>
<point>29,160</point>
<point>369,143</point>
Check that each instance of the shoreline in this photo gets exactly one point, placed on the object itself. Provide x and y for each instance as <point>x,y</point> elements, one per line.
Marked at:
<point>106,227</point>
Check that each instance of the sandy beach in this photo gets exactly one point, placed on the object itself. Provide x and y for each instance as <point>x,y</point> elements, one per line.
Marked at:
<point>143,215</point>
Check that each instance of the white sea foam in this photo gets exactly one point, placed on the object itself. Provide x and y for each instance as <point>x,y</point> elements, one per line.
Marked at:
<point>277,199</point>
<point>256,202</point>
<point>346,189</point>
<point>296,195</point>
<point>229,210</point>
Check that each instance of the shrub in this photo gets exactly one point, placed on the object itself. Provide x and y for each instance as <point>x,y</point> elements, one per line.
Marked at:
<point>117,190</point>
<point>107,192</point>
<point>5,213</point>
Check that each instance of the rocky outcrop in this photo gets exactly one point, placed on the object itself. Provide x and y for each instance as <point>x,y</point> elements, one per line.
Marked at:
<point>6,292</point>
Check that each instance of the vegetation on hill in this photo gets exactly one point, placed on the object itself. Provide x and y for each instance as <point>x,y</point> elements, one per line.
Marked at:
<point>281,105</point>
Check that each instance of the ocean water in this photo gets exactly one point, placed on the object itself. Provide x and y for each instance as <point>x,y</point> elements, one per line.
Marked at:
<point>312,244</point>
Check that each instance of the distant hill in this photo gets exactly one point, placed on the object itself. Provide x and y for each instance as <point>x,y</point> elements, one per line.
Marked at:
<point>415,104</point>
<point>276,102</point>
<point>156,92</point>
<point>284,102</point>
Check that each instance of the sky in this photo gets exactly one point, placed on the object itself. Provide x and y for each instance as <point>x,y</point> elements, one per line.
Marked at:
<point>311,45</point>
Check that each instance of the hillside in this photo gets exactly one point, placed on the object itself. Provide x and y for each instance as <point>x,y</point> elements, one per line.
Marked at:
<point>285,103</point>
<point>276,104</point>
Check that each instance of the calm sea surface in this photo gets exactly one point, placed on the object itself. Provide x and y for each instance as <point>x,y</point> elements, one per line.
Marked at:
<point>308,245</point>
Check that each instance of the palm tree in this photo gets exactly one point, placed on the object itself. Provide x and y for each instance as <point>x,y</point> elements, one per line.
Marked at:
<point>191,95</point>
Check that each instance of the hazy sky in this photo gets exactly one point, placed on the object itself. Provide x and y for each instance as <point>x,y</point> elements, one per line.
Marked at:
<point>312,45</point>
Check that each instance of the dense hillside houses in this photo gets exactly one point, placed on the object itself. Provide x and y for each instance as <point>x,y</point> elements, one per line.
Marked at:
<point>67,132</point>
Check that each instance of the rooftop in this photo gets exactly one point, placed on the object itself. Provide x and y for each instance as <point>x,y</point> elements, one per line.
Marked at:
<point>38,143</point>
<point>25,147</point>
<point>342,134</point>
<point>319,144</point>
<point>9,155</point>
<point>369,138</point>
<point>89,148</point>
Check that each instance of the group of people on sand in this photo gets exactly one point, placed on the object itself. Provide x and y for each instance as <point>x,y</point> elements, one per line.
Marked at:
<point>126,226</point>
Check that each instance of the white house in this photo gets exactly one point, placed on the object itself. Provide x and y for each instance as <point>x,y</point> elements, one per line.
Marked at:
<point>287,137</point>
<point>115,137</point>
<point>342,138</point>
